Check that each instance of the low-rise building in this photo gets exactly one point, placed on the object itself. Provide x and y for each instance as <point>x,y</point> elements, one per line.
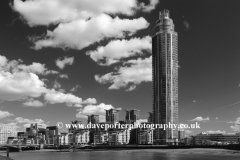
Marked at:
<point>5,132</point>
<point>82,136</point>
<point>100,137</point>
<point>204,138</point>
<point>119,136</point>
<point>63,139</point>
<point>145,136</point>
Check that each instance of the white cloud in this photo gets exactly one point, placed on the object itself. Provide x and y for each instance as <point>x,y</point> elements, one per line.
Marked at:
<point>33,103</point>
<point>117,49</point>
<point>56,85</point>
<point>186,25</point>
<point>237,121</point>
<point>201,119</point>
<point>4,114</point>
<point>81,33</point>
<point>37,68</point>
<point>150,7</point>
<point>53,96</point>
<point>133,73</point>
<point>28,122</point>
<point>82,23</point>
<point>90,101</point>
<point>66,61</point>
<point>16,66</point>
<point>94,109</point>
<point>215,132</point>
<point>188,132</point>
<point>50,72</point>
<point>45,12</point>
<point>75,88</point>
<point>236,127</point>
<point>19,81</point>
<point>18,84</point>
<point>63,76</point>
<point>23,120</point>
<point>59,97</point>
<point>143,120</point>
<point>15,86</point>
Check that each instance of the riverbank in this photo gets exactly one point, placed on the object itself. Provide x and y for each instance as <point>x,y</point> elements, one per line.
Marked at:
<point>119,154</point>
<point>197,151</point>
<point>5,158</point>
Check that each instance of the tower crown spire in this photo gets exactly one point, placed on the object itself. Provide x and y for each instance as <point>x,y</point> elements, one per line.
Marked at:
<point>164,23</point>
<point>164,14</point>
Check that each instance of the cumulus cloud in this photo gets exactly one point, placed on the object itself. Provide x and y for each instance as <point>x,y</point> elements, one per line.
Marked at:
<point>235,128</point>
<point>4,114</point>
<point>94,109</point>
<point>82,23</point>
<point>237,121</point>
<point>90,101</point>
<point>82,33</point>
<point>44,12</point>
<point>50,72</point>
<point>56,85</point>
<point>215,132</point>
<point>201,119</point>
<point>66,61</point>
<point>71,100</point>
<point>133,73</point>
<point>33,103</point>
<point>54,96</point>
<point>188,132</point>
<point>23,120</point>
<point>117,49</point>
<point>28,122</point>
<point>16,66</point>
<point>186,25</point>
<point>143,120</point>
<point>75,88</point>
<point>37,68</point>
<point>18,81</point>
<point>15,86</point>
<point>63,76</point>
<point>150,7</point>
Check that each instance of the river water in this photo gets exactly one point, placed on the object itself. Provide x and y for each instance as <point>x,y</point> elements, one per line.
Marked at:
<point>114,155</point>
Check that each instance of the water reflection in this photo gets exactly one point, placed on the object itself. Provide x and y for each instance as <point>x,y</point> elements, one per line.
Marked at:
<point>114,155</point>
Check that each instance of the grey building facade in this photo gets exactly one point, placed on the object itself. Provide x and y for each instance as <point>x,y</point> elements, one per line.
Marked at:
<point>165,78</point>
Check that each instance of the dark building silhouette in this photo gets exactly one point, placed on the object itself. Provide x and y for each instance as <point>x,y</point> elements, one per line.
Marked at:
<point>94,119</point>
<point>150,117</point>
<point>132,115</point>
<point>112,115</point>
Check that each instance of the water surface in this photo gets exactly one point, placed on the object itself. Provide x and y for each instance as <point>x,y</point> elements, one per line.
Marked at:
<point>115,155</point>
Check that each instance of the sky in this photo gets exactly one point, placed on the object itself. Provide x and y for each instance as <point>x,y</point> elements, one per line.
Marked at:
<point>62,60</point>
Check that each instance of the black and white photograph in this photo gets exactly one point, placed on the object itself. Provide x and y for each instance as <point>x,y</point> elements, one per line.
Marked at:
<point>120,79</point>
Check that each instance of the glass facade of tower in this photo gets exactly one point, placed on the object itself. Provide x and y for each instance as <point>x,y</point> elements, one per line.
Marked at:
<point>165,78</point>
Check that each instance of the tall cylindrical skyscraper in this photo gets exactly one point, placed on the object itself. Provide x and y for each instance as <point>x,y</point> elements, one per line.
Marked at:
<point>165,78</point>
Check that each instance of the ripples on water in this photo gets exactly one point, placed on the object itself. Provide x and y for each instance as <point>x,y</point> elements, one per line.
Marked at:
<point>114,155</point>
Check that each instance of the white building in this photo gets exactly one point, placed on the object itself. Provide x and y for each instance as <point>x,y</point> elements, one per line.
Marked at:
<point>82,136</point>
<point>7,131</point>
<point>121,136</point>
<point>63,139</point>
